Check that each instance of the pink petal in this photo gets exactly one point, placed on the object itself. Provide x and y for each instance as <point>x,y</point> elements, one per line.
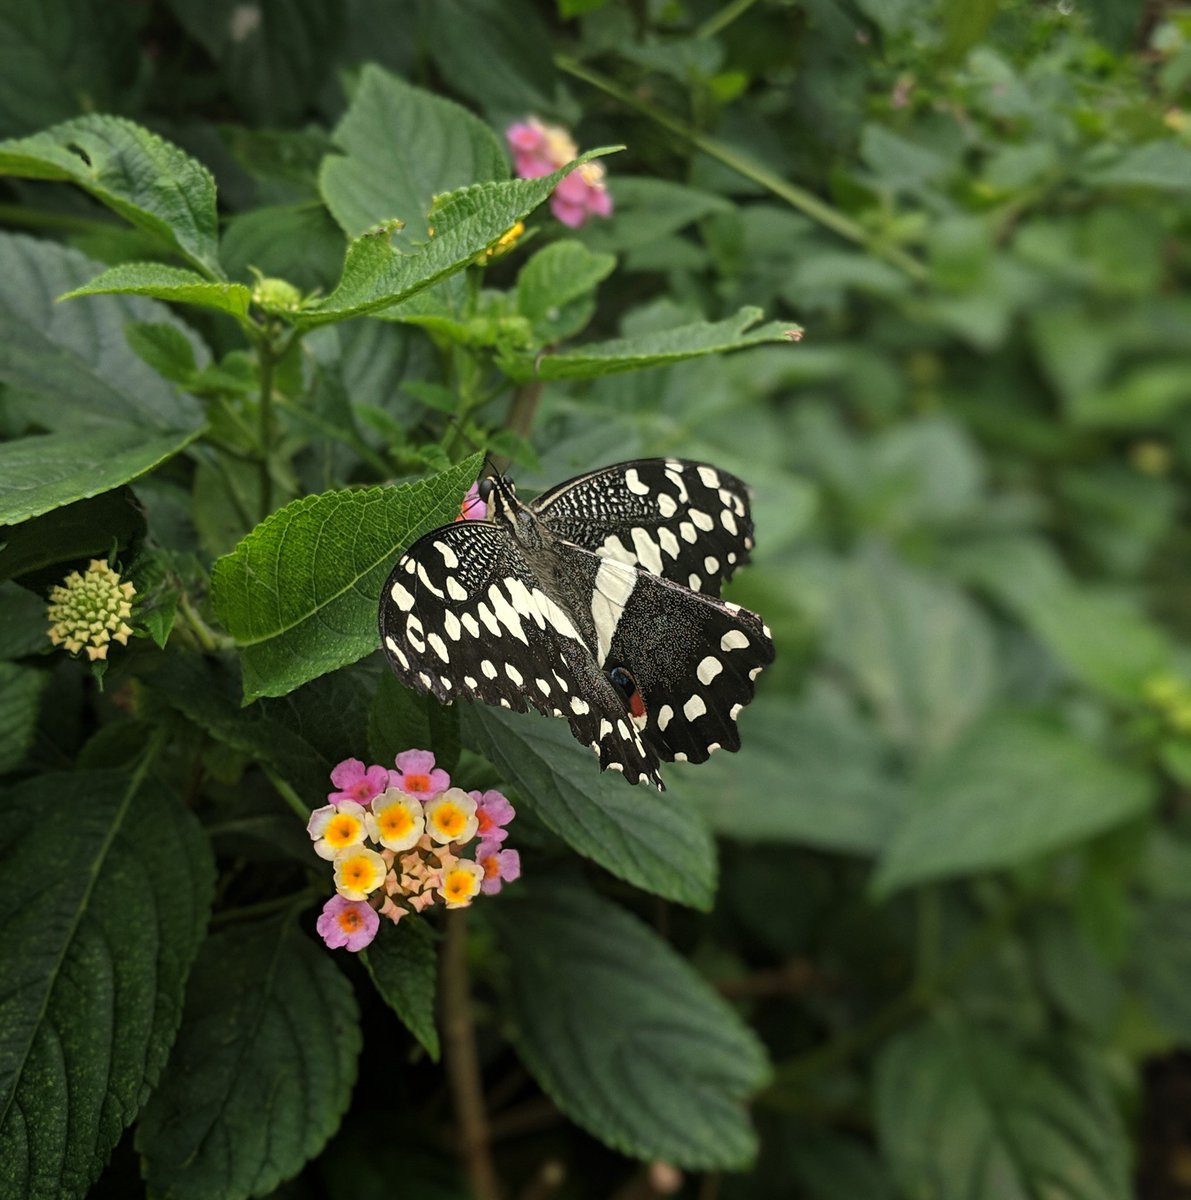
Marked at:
<point>415,762</point>
<point>344,774</point>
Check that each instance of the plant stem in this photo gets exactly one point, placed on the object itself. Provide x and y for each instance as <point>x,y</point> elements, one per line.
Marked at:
<point>522,409</point>
<point>207,638</point>
<point>463,1064</point>
<point>805,202</point>
<point>287,793</point>
<point>264,908</point>
<point>723,18</point>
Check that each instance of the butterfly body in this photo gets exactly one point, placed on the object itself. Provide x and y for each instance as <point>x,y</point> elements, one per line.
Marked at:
<point>585,604</point>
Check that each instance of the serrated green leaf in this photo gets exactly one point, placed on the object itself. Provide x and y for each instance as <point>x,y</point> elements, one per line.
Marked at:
<point>298,242</point>
<point>811,773</point>
<point>86,529</point>
<point>403,963</point>
<point>1160,962</point>
<point>300,592</point>
<point>269,1046</point>
<point>651,840</point>
<point>99,935</point>
<point>658,347</point>
<point>38,474</point>
<point>403,146</point>
<point>73,358</point>
<point>555,289</point>
<point>1013,789</point>
<point>965,1113</point>
<point>20,693</point>
<point>167,283</point>
<point>147,180</point>
<point>402,719</point>
<point>379,272</point>
<point>1165,165</point>
<point>625,1038</point>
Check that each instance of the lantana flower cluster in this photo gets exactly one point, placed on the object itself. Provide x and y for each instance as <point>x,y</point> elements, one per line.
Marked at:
<point>90,610</point>
<point>538,149</point>
<point>396,840</point>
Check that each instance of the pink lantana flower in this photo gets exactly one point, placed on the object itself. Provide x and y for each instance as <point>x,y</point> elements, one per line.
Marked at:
<point>473,508</point>
<point>357,782</point>
<point>350,924</point>
<point>416,775</point>
<point>499,866</point>
<point>493,813</point>
<point>538,149</point>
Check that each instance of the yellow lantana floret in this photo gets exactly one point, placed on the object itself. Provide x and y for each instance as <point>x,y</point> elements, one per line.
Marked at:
<point>397,820</point>
<point>358,872</point>
<point>90,610</point>
<point>461,883</point>
<point>451,817</point>
<point>336,828</point>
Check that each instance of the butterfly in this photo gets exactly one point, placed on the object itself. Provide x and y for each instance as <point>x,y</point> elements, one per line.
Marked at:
<point>598,602</point>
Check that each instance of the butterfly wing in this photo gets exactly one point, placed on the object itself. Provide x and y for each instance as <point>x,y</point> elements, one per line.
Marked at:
<point>463,614</point>
<point>685,521</point>
<point>694,659</point>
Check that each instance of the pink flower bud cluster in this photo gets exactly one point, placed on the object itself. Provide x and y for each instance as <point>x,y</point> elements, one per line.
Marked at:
<point>395,838</point>
<point>539,149</point>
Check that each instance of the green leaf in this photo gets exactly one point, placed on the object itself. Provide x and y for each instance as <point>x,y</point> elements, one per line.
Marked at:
<point>1013,789</point>
<point>72,359</point>
<point>402,719</point>
<point>300,592</point>
<point>38,474</point>
<point>810,773</point>
<point>378,272</point>
<point>403,146</point>
<point>87,529</point>
<point>23,621</point>
<point>262,1071</point>
<point>1160,962</point>
<point>964,1115</point>
<point>1165,165</point>
<point>164,348</point>
<point>403,963</point>
<point>619,1031</point>
<point>104,900</point>
<point>20,693</point>
<point>919,651</point>
<point>555,289</point>
<point>658,347</point>
<point>147,180</point>
<point>653,841</point>
<point>167,283</point>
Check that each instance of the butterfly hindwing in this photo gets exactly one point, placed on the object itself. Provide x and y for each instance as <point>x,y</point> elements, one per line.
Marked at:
<point>463,614</point>
<point>685,521</point>
<point>694,659</point>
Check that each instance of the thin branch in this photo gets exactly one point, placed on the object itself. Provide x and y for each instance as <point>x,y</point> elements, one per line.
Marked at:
<point>462,1061</point>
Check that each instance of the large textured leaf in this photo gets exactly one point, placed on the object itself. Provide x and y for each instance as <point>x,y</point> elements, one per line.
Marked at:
<point>1013,789</point>
<point>147,180</point>
<point>84,530</point>
<point>300,592</point>
<point>23,621</point>
<point>1161,964</point>
<point>74,358</point>
<point>20,692</point>
<point>810,773</point>
<point>104,896</point>
<point>919,651</point>
<point>403,963</point>
<point>627,1040</point>
<point>653,841</point>
<point>380,270</point>
<point>167,283</point>
<point>964,1115</point>
<point>38,474</point>
<point>556,288</point>
<point>262,1070</point>
<point>401,147</point>
<point>659,347</point>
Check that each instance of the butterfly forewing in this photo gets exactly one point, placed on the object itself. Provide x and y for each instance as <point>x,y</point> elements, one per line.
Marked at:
<point>463,614</point>
<point>685,521</point>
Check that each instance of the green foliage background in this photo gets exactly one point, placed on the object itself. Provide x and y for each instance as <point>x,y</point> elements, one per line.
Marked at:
<point>929,932</point>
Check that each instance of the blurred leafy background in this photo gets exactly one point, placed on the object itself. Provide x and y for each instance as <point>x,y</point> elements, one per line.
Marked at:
<point>954,893</point>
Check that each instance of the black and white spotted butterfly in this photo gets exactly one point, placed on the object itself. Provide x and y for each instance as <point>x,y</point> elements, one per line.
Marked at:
<point>596,602</point>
